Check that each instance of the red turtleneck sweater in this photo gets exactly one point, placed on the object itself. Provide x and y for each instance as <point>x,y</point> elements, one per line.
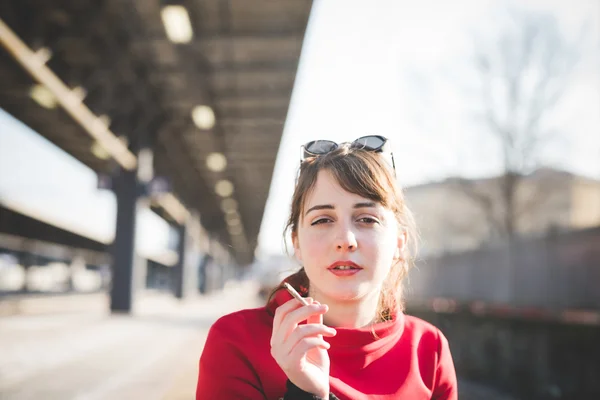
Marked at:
<point>409,359</point>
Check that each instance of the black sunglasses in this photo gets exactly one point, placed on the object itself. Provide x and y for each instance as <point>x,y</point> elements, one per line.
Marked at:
<point>375,143</point>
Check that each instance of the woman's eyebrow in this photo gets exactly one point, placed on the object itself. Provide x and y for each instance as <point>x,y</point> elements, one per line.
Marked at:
<point>365,205</point>
<point>320,207</point>
<point>331,207</point>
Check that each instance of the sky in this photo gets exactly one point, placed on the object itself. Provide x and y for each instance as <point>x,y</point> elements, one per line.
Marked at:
<point>389,67</point>
<point>400,69</point>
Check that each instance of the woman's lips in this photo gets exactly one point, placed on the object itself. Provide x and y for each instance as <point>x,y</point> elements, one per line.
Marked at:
<point>344,268</point>
<point>344,272</point>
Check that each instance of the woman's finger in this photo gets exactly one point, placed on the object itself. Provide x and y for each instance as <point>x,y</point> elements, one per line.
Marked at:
<point>282,311</point>
<point>307,344</point>
<point>303,331</point>
<point>285,308</point>
<point>315,318</point>
<point>293,318</point>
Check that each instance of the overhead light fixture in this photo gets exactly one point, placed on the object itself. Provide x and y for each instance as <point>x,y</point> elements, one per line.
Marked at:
<point>224,188</point>
<point>99,152</point>
<point>43,55</point>
<point>79,92</point>
<point>233,219</point>
<point>233,222</point>
<point>177,24</point>
<point>145,171</point>
<point>229,205</point>
<point>216,162</point>
<point>203,117</point>
<point>235,230</point>
<point>43,96</point>
<point>105,119</point>
<point>240,243</point>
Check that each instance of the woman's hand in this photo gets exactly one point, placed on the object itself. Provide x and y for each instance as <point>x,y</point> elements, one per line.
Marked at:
<point>300,350</point>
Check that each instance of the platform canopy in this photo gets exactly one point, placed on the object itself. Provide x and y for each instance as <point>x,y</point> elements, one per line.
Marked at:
<point>210,97</point>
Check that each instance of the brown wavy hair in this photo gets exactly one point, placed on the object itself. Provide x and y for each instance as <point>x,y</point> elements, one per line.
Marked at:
<point>368,175</point>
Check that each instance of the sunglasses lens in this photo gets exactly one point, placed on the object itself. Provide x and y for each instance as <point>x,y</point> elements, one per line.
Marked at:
<point>320,146</point>
<point>369,142</point>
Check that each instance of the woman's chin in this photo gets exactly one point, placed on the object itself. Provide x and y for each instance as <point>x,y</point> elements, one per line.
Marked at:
<point>346,292</point>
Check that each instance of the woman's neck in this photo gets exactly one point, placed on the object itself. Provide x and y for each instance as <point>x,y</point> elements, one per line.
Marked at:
<point>351,313</point>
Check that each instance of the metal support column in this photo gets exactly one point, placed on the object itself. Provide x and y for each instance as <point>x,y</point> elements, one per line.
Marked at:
<point>179,268</point>
<point>123,248</point>
<point>185,272</point>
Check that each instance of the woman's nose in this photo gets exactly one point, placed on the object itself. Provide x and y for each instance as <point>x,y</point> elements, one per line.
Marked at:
<point>345,240</point>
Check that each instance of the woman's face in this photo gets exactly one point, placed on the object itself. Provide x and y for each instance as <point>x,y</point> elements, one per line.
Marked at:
<point>347,243</point>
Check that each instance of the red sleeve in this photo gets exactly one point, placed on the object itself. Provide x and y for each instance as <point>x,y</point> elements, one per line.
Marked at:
<point>225,372</point>
<point>446,387</point>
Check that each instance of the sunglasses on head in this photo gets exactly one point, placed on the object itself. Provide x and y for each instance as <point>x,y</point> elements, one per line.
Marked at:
<point>374,143</point>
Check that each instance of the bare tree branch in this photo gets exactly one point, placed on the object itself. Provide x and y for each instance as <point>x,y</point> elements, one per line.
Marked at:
<point>523,76</point>
<point>484,200</point>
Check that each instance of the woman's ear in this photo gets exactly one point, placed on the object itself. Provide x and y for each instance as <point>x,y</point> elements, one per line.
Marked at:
<point>297,251</point>
<point>402,239</point>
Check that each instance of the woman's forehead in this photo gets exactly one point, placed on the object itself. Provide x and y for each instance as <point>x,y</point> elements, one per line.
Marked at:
<point>327,190</point>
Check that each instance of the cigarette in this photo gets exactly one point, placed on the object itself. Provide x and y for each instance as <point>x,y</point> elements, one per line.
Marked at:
<point>295,294</point>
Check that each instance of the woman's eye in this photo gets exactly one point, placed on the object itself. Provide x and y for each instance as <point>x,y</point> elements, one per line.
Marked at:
<point>368,220</point>
<point>320,221</point>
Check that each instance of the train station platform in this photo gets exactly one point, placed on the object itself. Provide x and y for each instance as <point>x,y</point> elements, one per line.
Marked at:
<point>71,347</point>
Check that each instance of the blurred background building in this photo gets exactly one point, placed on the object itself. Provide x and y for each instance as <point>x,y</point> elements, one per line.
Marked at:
<point>458,214</point>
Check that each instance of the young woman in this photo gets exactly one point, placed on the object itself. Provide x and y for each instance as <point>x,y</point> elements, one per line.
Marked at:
<point>353,235</point>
